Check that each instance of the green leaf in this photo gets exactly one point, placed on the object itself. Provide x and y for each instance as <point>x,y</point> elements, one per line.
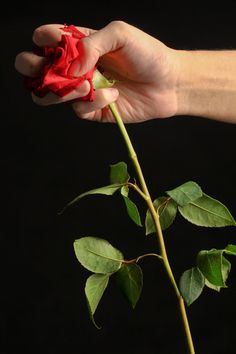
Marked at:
<point>185,193</point>
<point>130,281</point>
<point>94,289</point>
<point>226,266</point>
<point>125,191</point>
<point>231,250</point>
<point>118,173</point>
<point>132,211</point>
<point>191,285</point>
<point>106,190</point>
<point>211,286</point>
<point>167,209</point>
<point>214,266</point>
<point>97,255</point>
<point>206,211</point>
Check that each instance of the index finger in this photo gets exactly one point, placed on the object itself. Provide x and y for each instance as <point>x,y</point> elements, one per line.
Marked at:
<point>50,34</point>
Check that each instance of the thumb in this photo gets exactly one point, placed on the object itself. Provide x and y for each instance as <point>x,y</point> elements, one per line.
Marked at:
<point>92,47</point>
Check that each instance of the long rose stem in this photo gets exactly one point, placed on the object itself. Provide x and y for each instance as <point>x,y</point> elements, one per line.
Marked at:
<point>156,220</point>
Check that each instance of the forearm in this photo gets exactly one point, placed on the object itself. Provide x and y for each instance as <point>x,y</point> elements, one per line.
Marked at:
<point>206,85</point>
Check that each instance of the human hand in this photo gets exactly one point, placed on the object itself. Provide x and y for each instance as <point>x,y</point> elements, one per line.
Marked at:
<point>145,70</point>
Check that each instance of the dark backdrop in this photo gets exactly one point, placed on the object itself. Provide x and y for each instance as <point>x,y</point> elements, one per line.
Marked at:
<point>48,156</point>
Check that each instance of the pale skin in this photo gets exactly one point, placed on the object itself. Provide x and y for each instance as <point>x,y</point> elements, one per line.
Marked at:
<point>153,80</point>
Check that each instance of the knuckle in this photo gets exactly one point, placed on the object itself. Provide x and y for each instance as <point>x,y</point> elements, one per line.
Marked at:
<point>118,25</point>
<point>120,31</point>
<point>90,47</point>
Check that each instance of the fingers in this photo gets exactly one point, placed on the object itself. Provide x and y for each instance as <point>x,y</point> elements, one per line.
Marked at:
<point>84,109</point>
<point>96,44</point>
<point>92,110</point>
<point>29,64</point>
<point>47,35</point>
<point>50,35</point>
<point>51,98</point>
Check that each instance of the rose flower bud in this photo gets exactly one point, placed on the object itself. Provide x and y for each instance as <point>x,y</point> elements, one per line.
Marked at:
<point>55,76</point>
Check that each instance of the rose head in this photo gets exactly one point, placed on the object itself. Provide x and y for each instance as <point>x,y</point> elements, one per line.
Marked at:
<point>55,76</point>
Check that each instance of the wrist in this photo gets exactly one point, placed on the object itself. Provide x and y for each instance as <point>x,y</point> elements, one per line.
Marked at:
<point>206,84</point>
<point>184,82</point>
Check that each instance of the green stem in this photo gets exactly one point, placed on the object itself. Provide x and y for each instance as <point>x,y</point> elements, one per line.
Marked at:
<point>131,151</point>
<point>156,220</point>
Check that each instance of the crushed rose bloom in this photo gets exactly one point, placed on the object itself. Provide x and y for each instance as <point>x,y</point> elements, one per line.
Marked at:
<point>55,76</point>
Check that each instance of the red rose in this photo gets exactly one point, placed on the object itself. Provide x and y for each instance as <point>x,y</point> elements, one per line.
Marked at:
<point>55,76</point>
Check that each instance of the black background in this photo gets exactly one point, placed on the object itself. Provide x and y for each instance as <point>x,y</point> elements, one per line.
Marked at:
<point>49,156</point>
